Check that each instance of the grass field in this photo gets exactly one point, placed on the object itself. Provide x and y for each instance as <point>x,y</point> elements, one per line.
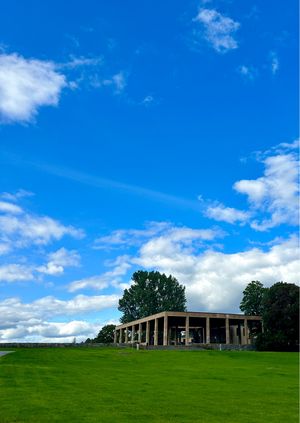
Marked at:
<point>123,385</point>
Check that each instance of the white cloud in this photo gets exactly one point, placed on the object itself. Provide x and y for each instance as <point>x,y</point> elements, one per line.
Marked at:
<point>274,62</point>
<point>117,81</point>
<point>20,229</point>
<point>149,99</point>
<point>81,61</point>
<point>15,272</point>
<point>247,72</point>
<point>215,280</point>
<point>17,314</point>
<point>17,195</point>
<point>51,332</point>
<point>276,193</point>
<point>129,237</point>
<point>165,235</point>
<point>58,260</point>
<point>111,278</point>
<point>219,30</point>
<point>4,248</point>
<point>226,214</point>
<point>134,237</point>
<point>9,208</point>
<point>26,85</point>
<point>29,322</point>
<point>273,197</point>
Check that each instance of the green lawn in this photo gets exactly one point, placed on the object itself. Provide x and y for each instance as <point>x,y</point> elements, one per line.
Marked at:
<point>123,385</point>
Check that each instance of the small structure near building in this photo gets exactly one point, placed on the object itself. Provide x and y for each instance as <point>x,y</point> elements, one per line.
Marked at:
<point>189,328</point>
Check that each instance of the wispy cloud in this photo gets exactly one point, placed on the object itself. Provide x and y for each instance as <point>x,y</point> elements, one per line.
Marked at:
<point>218,30</point>
<point>81,61</point>
<point>129,237</point>
<point>248,72</point>
<point>274,62</point>
<point>21,193</point>
<point>117,81</point>
<point>98,182</point>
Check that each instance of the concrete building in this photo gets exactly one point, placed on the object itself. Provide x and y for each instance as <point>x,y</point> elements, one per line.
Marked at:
<point>187,328</point>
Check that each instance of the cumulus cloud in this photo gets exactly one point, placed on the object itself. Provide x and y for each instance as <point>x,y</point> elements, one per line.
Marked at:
<point>110,278</point>
<point>226,214</point>
<point>273,198</point>
<point>58,260</point>
<point>15,272</point>
<point>26,85</point>
<point>165,236</point>
<point>276,193</point>
<point>218,30</point>
<point>9,208</point>
<point>50,332</point>
<point>215,280</point>
<point>19,228</point>
<point>29,321</point>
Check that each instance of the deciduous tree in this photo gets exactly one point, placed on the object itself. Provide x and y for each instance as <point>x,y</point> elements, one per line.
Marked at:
<point>105,336</point>
<point>150,293</point>
<point>252,302</point>
<point>280,318</point>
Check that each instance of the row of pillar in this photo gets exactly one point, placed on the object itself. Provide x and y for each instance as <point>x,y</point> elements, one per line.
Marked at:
<point>165,332</point>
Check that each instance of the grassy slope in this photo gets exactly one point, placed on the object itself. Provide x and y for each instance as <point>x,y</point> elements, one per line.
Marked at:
<point>110,385</point>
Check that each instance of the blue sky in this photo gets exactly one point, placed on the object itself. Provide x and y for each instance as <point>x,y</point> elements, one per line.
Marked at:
<point>143,135</point>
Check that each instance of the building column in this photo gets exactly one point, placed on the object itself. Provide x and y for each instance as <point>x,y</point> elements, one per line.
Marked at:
<point>133,333</point>
<point>115,336</point>
<point>120,336</point>
<point>246,330</point>
<point>165,338</point>
<point>140,333</point>
<point>227,331</point>
<point>187,330</point>
<point>156,332</point>
<point>147,332</point>
<point>126,335</point>
<point>207,330</point>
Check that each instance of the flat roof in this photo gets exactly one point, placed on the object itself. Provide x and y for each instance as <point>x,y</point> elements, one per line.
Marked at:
<point>190,314</point>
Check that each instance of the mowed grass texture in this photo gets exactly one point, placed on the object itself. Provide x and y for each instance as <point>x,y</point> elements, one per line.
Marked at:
<point>124,385</point>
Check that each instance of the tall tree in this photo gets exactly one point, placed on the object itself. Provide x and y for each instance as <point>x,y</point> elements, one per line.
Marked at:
<point>252,302</point>
<point>280,318</point>
<point>150,293</point>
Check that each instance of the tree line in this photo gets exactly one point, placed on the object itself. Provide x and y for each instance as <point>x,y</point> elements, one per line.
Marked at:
<point>153,292</point>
